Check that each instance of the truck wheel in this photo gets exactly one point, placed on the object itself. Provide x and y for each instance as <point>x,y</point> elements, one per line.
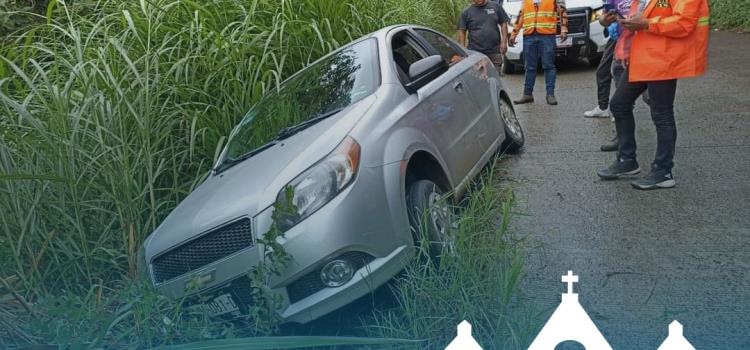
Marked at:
<point>594,61</point>
<point>431,218</point>
<point>514,137</point>
<point>508,67</point>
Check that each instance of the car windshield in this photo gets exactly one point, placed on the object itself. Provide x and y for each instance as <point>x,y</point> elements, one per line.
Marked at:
<point>321,89</point>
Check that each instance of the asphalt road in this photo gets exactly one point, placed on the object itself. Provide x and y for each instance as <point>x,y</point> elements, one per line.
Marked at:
<point>644,258</point>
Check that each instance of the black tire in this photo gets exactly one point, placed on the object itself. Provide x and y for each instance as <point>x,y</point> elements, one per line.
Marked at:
<point>425,203</point>
<point>514,137</point>
<point>508,67</point>
<point>594,61</point>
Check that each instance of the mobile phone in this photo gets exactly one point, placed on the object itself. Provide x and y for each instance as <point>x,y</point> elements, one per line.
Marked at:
<point>609,7</point>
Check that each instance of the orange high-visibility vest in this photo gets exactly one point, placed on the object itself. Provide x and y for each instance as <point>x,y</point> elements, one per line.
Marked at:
<point>540,19</point>
<point>675,44</point>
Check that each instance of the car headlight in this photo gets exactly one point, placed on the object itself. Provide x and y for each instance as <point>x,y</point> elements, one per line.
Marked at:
<point>315,187</point>
<point>596,14</point>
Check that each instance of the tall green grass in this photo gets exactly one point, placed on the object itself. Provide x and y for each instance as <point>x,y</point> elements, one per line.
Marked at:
<point>111,112</point>
<point>111,118</point>
<point>732,14</point>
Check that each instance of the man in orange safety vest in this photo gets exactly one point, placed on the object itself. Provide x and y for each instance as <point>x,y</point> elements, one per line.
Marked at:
<point>539,20</point>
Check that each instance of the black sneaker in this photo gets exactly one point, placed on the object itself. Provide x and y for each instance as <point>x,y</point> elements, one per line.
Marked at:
<point>620,167</point>
<point>655,180</point>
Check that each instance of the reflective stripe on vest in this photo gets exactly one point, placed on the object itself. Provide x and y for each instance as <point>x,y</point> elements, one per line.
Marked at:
<point>703,21</point>
<point>541,19</point>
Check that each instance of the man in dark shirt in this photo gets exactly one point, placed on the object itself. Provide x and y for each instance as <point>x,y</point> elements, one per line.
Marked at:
<point>485,20</point>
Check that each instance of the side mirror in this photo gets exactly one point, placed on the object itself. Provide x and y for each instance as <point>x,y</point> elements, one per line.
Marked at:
<point>424,71</point>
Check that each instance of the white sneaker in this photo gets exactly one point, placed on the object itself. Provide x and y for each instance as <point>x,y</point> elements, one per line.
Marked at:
<point>597,113</point>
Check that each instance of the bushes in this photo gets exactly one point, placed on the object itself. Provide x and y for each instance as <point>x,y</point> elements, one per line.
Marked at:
<point>730,13</point>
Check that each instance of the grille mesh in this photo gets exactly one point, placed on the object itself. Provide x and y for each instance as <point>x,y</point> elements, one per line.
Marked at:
<point>310,283</point>
<point>203,250</point>
<point>578,21</point>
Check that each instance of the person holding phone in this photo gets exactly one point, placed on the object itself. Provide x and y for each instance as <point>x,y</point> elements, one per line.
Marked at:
<point>609,68</point>
<point>661,41</point>
<point>604,70</point>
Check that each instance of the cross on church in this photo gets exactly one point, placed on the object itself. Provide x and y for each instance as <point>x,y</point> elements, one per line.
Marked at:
<point>570,279</point>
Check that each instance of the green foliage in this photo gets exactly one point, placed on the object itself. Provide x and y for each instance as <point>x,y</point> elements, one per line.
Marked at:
<point>730,13</point>
<point>15,15</point>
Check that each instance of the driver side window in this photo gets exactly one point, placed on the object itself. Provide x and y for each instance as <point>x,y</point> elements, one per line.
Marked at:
<point>444,46</point>
<point>405,53</point>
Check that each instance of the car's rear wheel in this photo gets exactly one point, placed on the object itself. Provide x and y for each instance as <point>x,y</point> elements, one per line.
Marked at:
<point>514,137</point>
<point>431,218</point>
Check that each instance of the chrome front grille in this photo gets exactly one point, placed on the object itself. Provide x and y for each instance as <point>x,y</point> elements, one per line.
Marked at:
<point>203,250</point>
<point>578,21</point>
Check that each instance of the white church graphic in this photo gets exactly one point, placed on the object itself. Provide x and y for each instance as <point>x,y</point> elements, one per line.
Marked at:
<point>570,322</point>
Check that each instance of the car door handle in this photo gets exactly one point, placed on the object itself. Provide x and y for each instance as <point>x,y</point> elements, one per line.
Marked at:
<point>459,87</point>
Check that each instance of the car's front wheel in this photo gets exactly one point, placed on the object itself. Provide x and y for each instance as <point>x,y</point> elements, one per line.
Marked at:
<point>431,218</point>
<point>514,137</point>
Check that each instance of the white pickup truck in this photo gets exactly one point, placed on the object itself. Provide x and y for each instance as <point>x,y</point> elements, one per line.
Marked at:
<point>585,35</point>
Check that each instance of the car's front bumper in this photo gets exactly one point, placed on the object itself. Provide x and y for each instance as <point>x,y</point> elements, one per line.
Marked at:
<point>367,218</point>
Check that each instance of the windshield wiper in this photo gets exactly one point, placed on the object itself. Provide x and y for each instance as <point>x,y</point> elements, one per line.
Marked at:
<point>228,163</point>
<point>287,132</point>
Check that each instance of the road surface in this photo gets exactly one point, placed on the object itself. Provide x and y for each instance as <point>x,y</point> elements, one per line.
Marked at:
<point>644,258</point>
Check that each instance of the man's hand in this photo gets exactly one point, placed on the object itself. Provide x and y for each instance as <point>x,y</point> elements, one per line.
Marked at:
<point>512,40</point>
<point>563,36</point>
<point>608,18</point>
<point>634,24</point>
<point>503,47</point>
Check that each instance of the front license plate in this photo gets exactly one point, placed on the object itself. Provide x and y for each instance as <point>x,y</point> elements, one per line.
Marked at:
<point>223,304</point>
<point>567,43</point>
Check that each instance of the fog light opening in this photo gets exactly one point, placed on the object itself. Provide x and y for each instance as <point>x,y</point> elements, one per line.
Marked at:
<point>336,273</point>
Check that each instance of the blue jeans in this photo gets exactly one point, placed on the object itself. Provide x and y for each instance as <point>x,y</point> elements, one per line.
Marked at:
<point>536,45</point>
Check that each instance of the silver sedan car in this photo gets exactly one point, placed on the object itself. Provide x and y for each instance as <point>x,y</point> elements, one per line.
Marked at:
<point>363,142</point>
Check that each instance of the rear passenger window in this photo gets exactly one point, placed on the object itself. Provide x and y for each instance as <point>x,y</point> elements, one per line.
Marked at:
<point>444,46</point>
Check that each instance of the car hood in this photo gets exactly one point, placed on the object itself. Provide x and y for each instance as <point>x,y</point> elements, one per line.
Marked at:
<point>252,185</point>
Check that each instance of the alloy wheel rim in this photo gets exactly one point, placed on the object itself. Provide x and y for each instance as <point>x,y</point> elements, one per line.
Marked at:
<point>510,120</point>
<point>442,220</point>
